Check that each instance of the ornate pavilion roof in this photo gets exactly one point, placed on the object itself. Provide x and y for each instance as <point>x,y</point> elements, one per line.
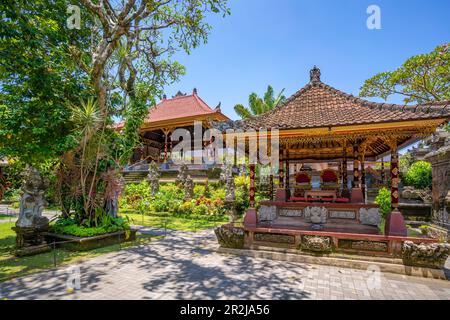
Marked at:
<point>320,105</point>
<point>180,107</point>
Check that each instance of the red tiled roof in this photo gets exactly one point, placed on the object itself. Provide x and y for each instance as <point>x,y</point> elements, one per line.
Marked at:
<point>319,105</point>
<point>181,106</point>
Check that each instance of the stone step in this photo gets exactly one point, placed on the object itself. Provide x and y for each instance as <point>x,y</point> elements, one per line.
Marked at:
<point>370,264</point>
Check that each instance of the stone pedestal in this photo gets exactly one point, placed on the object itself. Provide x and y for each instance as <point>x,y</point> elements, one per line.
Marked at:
<point>282,195</point>
<point>250,217</point>
<point>395,224</point>
<point>30,241</point>
<point>357,195</point>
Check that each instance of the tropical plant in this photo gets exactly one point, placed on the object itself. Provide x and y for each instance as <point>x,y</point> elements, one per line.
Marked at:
<point>383,199</point>
<point>422,78</point>
<point>419,175</point>
<point>259,105</point>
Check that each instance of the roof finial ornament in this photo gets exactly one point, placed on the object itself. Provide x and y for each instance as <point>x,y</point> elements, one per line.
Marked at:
<point>314,75</point>
<point>194,91</point>
<point>179,94</point>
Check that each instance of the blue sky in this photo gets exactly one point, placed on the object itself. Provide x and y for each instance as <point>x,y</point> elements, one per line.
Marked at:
<point>277,42</point>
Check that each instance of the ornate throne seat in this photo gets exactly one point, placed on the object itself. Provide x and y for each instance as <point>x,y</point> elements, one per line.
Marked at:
<point>329,180</point>
<point>302,183</point>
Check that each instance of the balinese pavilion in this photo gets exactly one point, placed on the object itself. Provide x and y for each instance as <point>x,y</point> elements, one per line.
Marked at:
<point>181,111</point>
<point>320,124</point>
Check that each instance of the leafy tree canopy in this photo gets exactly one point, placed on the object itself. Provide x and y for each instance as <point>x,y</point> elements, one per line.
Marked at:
<point>422,78</point>
<point>38,79</point>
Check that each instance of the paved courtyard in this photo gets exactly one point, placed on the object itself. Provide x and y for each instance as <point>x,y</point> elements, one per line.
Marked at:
<point>184,266</point>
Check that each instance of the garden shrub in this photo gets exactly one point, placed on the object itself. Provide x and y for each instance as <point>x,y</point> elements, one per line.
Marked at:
<point>419,175</point>
<point>383,199</point>
<point>135,193</point>
<point>170,199</point>
<point>103,223</point>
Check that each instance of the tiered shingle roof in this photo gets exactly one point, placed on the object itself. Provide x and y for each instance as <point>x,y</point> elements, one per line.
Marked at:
<point>181,106</point>
<point>320,105</point>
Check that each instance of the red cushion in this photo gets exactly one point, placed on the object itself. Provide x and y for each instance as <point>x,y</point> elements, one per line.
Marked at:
<point>329,176</point>
<point>327,199</point>
<point>343,200</point>
<point>302,178</point>
<point>298,199</point>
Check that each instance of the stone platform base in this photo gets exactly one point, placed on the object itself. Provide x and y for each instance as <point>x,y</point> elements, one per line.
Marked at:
<point>32,250</point>
<point>73,243</point>
<point>389,265</point>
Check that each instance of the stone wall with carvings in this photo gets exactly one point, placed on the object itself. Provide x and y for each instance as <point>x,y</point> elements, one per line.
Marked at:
<point>440,163</point>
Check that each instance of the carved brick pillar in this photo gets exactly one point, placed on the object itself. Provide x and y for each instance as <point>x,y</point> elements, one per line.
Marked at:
<point>395,223</point>
<point>394,178</point>
<point>252,186</point>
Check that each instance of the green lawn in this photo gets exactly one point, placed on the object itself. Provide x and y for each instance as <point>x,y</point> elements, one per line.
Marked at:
<point>174,222</point>
<point>11,266</point>
<point>5,217</point>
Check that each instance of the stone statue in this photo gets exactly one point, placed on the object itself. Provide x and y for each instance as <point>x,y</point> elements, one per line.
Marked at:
<point>230,191</point>
<point>316,215</point>
<point>114,187</point>
<point>230,237</point>
<point>432,255</point>
<point>32,200</point>
<point>188,188</point>
<point>370,216</point>
<point>316,244</point>
<point>182,175</point>
<point>31,223</point>
<point>153,178</point>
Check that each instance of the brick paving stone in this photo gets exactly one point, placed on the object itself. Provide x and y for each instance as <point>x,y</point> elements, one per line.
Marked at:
<point>183,267</point>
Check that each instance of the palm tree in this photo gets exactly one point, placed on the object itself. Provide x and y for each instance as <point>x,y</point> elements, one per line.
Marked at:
<point>259,105</point>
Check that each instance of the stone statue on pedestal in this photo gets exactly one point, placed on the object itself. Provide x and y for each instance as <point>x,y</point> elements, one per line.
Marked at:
<point>31,223</point>
<point>230,191</point>
<point>182,175</point>
<point>188,188</point>
<point>153,178</point>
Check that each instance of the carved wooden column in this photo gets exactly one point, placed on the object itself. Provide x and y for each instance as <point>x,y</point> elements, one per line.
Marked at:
<point>166,132</point>
<point>288,175</point>
<point>362,155</point>
<point>252,186</point>
<point>357,195</point>
<point>363,178</point>
<point>382,171</point>
<point>281,176</point>
<point>356,177</point>
<point>282,193</point>
<point>395,224</point>
<point>345,192</point>
<point>271,187</point>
